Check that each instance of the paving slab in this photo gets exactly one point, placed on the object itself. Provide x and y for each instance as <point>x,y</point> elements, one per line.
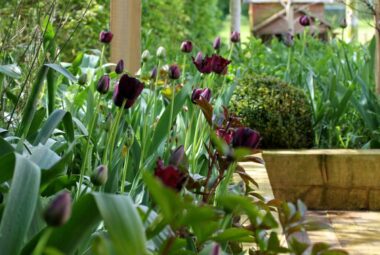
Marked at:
<point>357,232</point>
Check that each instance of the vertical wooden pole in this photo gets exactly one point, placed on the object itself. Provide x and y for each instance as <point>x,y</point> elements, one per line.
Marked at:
<point>377,31</point>
<point>235,10</point>
<point>352,19</point>
<point>126,27</point>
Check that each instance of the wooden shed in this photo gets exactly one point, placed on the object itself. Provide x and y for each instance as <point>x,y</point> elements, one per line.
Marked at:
<point>270,18</point>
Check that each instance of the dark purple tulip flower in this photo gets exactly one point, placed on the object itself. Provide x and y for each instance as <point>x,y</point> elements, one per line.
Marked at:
<point>174,72</point>
<point>100,175</point>
<point>235,37</point>
<point>170,175</point>
<point>187,47</point>
<point>246,137</point>
<point>219,64</point>
<point>204,65</point>
<point>304,21</point>
<point>105,36</point>
<point>59,210</point>
<point>129,89</point>
<point>103,84</point>
<point>198,93</point>
<point>119,67</point>
<point>216,44</point>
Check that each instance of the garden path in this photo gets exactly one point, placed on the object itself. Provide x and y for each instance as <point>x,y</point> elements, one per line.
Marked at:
<point>357,232</point>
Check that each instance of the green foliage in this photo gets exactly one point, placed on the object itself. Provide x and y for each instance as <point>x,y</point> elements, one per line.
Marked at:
<point>277,110</point>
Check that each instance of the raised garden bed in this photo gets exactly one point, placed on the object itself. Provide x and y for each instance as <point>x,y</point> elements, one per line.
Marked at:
<point>326,179</point>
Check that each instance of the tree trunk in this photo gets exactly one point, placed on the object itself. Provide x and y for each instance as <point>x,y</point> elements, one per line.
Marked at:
<point>377,26</point>
<point>126,27</point>
<point>235,10</point>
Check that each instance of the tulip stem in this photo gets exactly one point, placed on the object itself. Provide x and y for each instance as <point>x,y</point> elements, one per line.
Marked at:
<point>87,149</point>
<point>171,115</point>
<point>184,69</point>
<point>195,144</point>
<point>126,159</point>
<point>287,73</point>
<point>114,131</point>
<point>43,241</point>
<point>152,116</point>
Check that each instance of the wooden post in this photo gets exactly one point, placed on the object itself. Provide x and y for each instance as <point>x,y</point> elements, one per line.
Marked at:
<point>235,10</point>
<point>126,27</point>
<point>377,31</point>
<point>352,19</point>
<point>287,4</point>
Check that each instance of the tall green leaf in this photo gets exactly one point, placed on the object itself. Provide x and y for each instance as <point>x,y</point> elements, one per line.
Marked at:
<point>20,206</point>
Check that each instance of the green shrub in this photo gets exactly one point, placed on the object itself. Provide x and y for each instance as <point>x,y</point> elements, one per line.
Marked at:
<point>279,111</point>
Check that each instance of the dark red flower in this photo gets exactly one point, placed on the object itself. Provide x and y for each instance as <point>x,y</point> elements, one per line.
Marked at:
<point>105,37</point>
<point>119,67</point>
<point>235,37</point>
<point>204,65</point>
<point>198,93</point>
<point>219,64</point>
<point>169,175</point>
<point>246,137</point>
<point>174,72</point>
<point>103,84</point>
<point>129,89</point>
<point>226,135</point>
<point>304,21</point>
<point>186,46</point>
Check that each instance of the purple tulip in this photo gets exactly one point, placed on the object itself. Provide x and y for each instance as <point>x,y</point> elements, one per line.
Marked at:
<point>187,47</point>
<point>100,175</point>
<point>202,64</point>
<point>304,21</point>
<point>219,64</point>
<point>105,36</point>
<point>129,89</point>
<point>59,210</point>
<point>235,37</point>
<point>174,72</point>
<point>343,23</point>
<point>119,67</point>
<point>246,137</point>
<point>198,93</point>
<point>288,39</point>
<point>103,84</point>
<point>216,44</point>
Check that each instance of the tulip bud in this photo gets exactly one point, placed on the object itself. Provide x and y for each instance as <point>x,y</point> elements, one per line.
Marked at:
<point>174,72</point>
<point>215,250</point>
<point>199,58</point>
<point>153,73</point>
<point>186,47</point>
<point>216,44</point>
<point>145,56</point>
<point>82,79</point>
<point>130,137</point>
<point>288,39</point>
<point>177,156</point>
<point>119,67</point>
<point>161,52</point>
<point>343,23</point>
<point>198,93</point>
<point>103,84</point>
<point>246,137</point>
<point>59,210</point>
<point>304,21</point>
<point>235,37</point>
<point>105,37</point>
<point>100,175</point>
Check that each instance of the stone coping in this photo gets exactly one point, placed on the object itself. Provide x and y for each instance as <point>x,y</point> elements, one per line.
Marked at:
<point>323,152</point>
